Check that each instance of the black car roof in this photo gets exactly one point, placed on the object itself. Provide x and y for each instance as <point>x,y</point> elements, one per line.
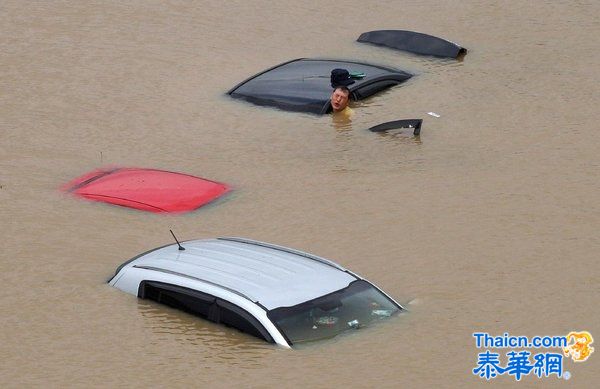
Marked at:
<point>415,42</point>
<point>304,84</point>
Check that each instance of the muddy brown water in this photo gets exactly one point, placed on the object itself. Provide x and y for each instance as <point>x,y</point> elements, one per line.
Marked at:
<point>488,222</point>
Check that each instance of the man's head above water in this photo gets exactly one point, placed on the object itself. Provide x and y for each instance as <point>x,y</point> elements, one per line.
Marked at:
<point>339,98</point>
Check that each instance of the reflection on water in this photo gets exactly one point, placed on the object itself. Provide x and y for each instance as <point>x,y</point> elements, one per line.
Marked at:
<point>216,342</point>
<point>403,135</point>
<point>222,344</point>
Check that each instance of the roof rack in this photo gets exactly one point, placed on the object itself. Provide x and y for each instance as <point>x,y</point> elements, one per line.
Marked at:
<point>158,269</point>
<point>285,249</point>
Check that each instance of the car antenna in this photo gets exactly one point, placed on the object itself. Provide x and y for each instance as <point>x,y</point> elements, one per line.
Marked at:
<point>181,248</point>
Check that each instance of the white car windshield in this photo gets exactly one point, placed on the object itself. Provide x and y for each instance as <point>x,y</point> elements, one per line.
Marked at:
<point>355,306</point>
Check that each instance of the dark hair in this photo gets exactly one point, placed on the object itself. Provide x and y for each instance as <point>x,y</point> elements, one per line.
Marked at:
<point>343,89</point>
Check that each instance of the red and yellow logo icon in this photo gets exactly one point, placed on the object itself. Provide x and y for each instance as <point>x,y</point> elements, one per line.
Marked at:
<point>578,347</point>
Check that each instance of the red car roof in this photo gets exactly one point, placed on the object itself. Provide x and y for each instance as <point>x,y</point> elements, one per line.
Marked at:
<point>146,189</point>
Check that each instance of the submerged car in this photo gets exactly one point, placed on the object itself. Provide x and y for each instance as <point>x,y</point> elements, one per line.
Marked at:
<point>303,84</point>
<point>414,42</point>
<point>149,190</point>
<point>277,294</point>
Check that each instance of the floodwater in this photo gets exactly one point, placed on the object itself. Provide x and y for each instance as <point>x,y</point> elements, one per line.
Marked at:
<point>488,222</point>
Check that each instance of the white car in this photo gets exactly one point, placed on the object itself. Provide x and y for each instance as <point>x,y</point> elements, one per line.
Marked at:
<point>281,295</point>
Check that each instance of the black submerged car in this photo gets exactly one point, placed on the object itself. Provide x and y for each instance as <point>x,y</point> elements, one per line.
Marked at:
<point>303,84</point>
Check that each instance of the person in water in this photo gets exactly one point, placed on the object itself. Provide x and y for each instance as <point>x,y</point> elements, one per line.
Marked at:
<point>339,99</point>
<point>340,80</point>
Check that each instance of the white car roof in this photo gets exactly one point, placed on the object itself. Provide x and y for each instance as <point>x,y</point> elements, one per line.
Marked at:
<point>270,275</point>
